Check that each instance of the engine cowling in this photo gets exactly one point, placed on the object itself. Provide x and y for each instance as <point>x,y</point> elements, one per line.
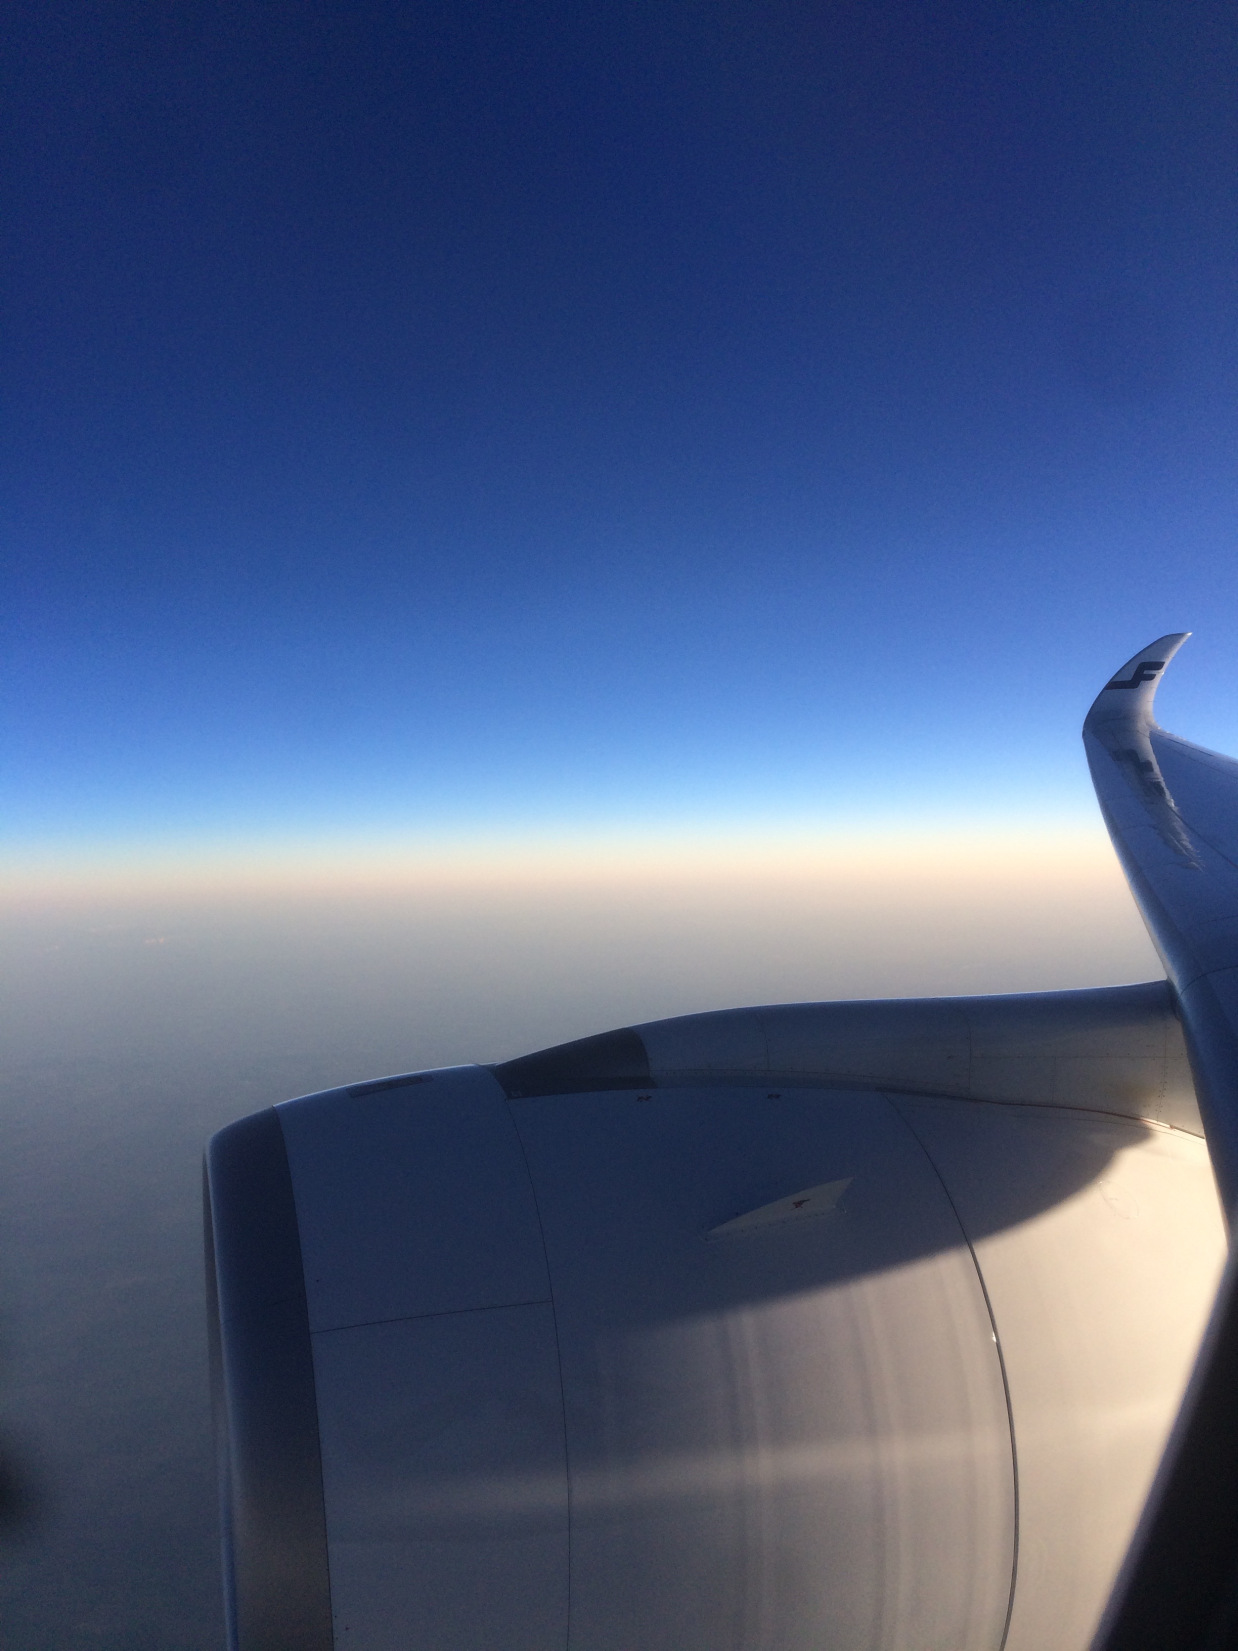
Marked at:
<point>753,1362</point>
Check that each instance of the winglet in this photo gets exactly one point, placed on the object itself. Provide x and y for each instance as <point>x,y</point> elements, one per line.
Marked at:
<point>1128,696</point>
<point>1176,1591</point>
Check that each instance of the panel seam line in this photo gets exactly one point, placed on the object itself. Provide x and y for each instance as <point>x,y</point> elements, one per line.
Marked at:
<point>1001,1362</point>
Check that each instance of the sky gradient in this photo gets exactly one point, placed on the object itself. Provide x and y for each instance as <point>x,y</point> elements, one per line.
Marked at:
<point>485,421</point>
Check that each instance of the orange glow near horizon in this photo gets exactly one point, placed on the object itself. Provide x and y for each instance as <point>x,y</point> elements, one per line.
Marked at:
<point>358,964</point>
<point>867,855</point>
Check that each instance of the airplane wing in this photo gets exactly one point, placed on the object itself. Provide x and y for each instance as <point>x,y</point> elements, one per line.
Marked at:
<point>1172,812</point>
<point>849,1324</point>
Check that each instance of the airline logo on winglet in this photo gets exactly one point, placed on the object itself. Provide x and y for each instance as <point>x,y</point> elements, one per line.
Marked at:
<point>1141,674</point>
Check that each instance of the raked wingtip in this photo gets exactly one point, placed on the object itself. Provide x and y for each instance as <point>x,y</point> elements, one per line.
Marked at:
<point>1128,695</point>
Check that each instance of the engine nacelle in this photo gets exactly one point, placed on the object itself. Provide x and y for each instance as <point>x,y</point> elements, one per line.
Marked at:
<point>747,1361</point>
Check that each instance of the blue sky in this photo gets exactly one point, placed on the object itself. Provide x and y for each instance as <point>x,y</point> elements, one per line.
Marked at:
<point>483,421</point>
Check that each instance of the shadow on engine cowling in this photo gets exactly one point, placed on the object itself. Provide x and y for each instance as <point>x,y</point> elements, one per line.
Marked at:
<point>632,1186</point>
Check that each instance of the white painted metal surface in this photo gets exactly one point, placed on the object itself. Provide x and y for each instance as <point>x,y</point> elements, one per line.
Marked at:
<point>793,1439</point>
<point>1111,1050</point>
<point>445,1482</point>
<point>1100,1299</point>
<point>767,1430</point>
<point>412,1200</point>
<point>436,1367</point>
